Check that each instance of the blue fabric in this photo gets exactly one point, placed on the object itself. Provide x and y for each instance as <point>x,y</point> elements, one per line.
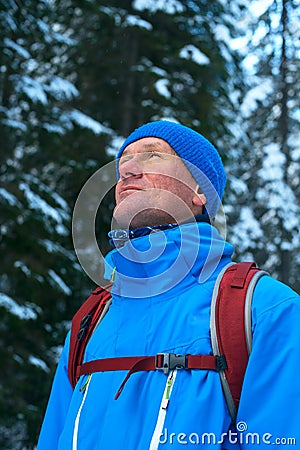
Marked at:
<point>199,155</point>
<point>174,317</point>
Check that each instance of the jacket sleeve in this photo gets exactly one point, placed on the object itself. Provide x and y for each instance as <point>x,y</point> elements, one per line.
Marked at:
<point>58,404</point>
<point>269,412</point>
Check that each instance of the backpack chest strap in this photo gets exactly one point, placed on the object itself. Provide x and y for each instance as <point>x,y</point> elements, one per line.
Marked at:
<point>162,361</point>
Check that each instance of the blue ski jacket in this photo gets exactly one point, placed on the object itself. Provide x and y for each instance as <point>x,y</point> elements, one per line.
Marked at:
<point>161,303</point>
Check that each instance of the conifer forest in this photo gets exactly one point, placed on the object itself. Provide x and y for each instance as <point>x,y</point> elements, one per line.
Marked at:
<point>76,77</point>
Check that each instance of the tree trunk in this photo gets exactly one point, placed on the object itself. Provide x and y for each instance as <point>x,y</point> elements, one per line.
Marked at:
<point>285,263</point>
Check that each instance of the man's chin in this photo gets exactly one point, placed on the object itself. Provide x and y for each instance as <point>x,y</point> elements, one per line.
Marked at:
<point>146,218</point>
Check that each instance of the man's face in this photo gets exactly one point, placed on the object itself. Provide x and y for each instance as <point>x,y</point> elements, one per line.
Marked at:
<point>155,187</point>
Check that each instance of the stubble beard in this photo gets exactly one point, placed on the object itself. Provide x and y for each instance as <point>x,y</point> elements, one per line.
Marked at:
<point>148,217</point>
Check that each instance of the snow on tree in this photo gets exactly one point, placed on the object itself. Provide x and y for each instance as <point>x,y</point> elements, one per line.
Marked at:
<point>269,164</point>
<point>39,271</point>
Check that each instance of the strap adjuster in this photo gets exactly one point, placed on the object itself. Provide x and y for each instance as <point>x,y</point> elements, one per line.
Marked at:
<point>170,361</point>
<point>221,363</point>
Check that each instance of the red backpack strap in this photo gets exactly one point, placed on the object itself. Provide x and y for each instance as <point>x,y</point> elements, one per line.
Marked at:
<point>231,332</point>
<point>83,325</point>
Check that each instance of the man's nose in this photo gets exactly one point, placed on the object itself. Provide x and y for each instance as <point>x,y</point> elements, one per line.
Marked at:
<point>132,167</point>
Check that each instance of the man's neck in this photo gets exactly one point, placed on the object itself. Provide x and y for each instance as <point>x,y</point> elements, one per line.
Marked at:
<point>118,237</point>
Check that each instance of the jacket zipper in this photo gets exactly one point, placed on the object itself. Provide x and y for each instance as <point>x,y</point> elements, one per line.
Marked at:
<point>163,411</point>
<point>84,388</point>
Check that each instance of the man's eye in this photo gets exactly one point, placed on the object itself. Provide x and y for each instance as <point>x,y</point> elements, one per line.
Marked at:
<point>123,160</point>
<point>142,157</point>
<point>154,154</point>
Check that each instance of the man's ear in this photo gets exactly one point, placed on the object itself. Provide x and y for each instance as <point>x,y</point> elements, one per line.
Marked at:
<point>199,199</point>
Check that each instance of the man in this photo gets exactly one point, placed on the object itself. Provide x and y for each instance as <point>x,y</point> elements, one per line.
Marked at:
<point>165,264</point>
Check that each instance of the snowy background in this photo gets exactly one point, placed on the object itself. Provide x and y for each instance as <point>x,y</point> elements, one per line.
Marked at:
<point>75,78</point>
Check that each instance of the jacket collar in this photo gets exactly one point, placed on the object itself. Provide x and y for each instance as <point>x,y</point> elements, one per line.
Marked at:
<point>119,237</point>
<point>158,263</point>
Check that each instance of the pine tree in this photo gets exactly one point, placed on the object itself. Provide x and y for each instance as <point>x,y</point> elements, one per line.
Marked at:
<point>40,278</point>
<point>268,226</point>
<point>145,60</point>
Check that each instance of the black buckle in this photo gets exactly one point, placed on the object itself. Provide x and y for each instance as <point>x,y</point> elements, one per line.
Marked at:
<point>170,361</point>
<point>84,326</point>
<point>221,363</point>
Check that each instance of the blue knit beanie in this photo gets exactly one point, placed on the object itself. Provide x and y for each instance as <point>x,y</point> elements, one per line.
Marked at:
<point>198,154</point>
